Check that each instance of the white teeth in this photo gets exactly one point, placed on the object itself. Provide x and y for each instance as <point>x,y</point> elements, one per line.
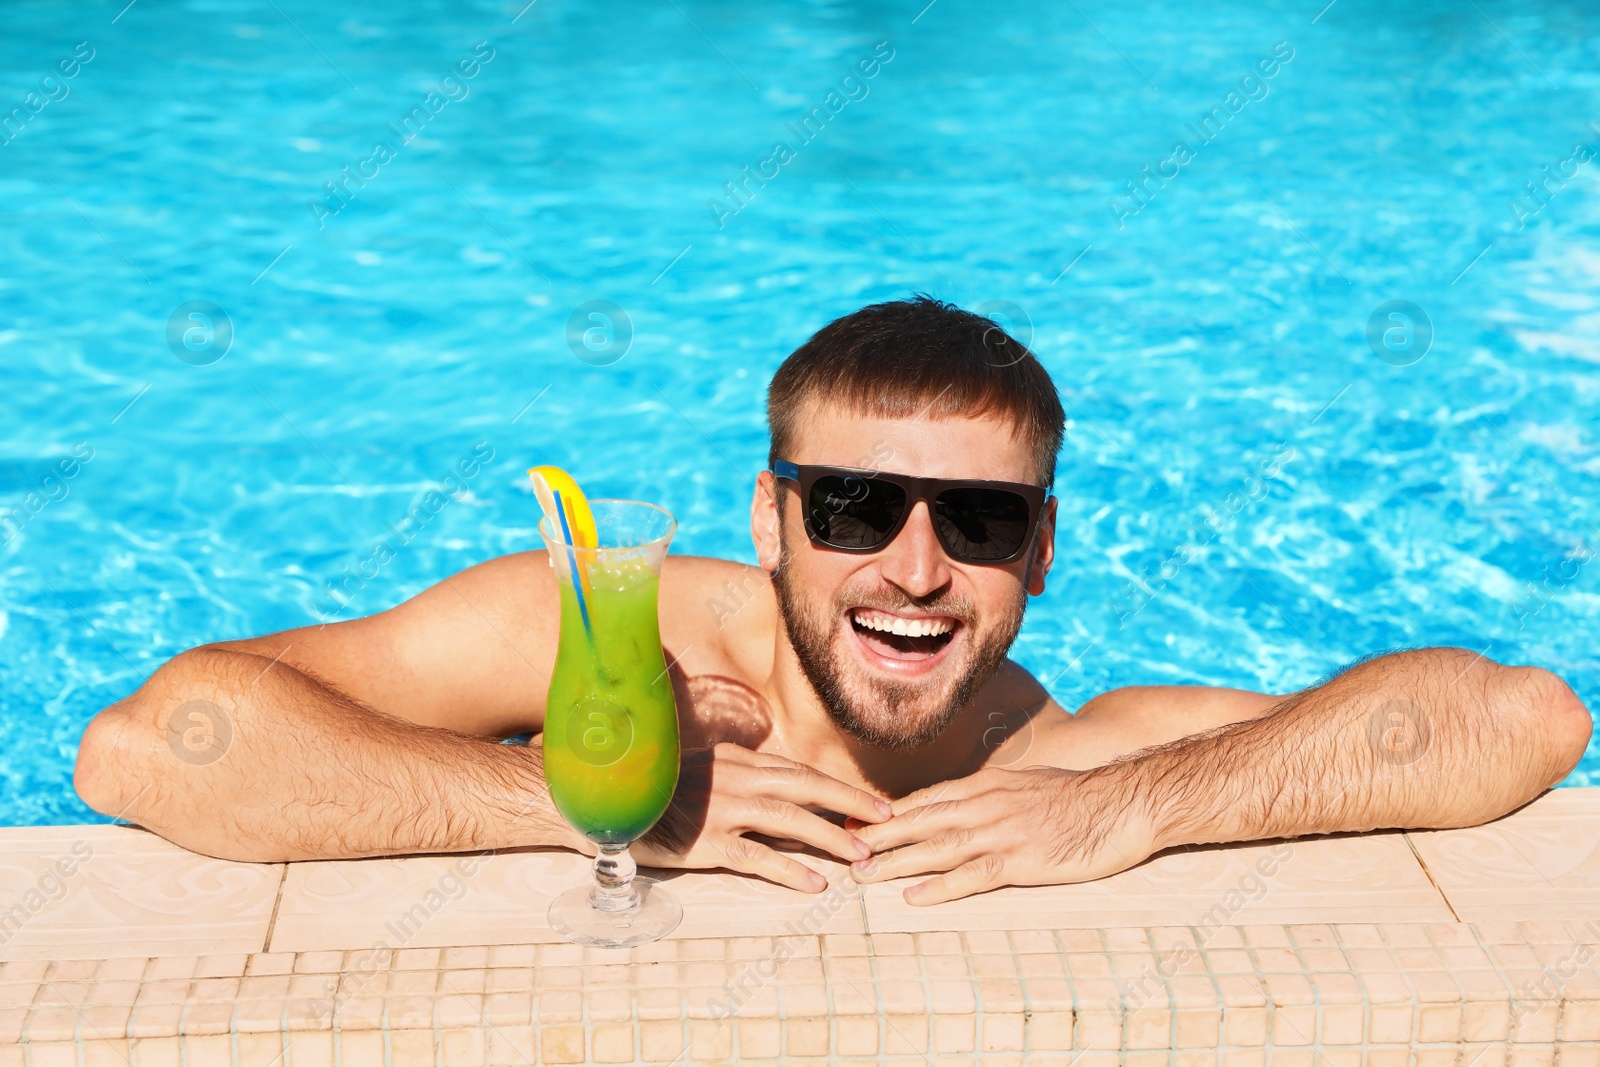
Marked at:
<point>894,624</point>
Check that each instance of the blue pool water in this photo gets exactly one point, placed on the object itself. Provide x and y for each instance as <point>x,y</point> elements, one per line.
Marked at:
<point>1215,323</point>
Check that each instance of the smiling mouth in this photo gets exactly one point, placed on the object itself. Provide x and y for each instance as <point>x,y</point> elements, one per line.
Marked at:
<point>898,637</point>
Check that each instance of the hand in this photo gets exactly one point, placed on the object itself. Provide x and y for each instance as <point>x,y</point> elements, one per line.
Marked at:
<point>729,791</point>
<point>1039,826</point>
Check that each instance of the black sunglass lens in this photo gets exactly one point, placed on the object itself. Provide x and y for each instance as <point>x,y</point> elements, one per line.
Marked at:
<point>980,524</point>
<point>854,511</point>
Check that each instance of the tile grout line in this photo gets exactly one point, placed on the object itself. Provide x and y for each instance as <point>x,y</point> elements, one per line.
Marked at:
<point>861,903</point>
<point>1406,971</point>
<point>1366,999</point>
<point>1437,888</point>
<point>1316,990</point>
<point>1500,972</point>
<point>1072,986</point>
<point>1172,992</point>
<point>277,902</point>
<point>1463,999</point>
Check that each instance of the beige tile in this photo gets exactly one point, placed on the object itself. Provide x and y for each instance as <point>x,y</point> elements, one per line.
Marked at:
<point>53,1054</point>
<point>108,1022</point>
<point>270,964</point>
<point>159,1051</point>
<point>954,1033</point>
<point>56,1023</point>
<point>126,892</point>
<point>759,1039</point>
<point>1340,946</point>
<point>441,901</point>
<point>156,1021</point>
<point>128,969</point>
<point>1539,862</point>
<point>53,992</point>
<point>502,956</point>
<point>1349,879</point>
<point>72,970</point>
<point>171,968</point>
<point>35,970</point>
<point>305,1050</point>
<point>509,1009</point>
<point>663,1040</point>
<point>227,966</point>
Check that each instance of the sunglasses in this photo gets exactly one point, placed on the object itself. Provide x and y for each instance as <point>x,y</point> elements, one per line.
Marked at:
<point>856,510</point>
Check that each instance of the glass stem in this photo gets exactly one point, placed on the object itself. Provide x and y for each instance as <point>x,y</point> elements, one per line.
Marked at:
<point>613,880</point>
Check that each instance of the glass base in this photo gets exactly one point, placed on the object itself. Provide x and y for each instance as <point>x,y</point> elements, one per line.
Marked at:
<point>575,917</point>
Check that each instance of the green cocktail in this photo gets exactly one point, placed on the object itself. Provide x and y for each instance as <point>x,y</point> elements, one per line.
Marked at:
<point>610,739</point>
<point>611,731</point>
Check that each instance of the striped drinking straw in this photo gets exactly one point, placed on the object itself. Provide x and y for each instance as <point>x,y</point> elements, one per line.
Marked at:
<point>572,558</point>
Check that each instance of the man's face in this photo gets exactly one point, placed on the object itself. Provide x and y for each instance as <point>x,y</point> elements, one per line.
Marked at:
<point>840,609</point>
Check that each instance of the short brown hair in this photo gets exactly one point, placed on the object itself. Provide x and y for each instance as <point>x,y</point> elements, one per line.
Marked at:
<point>919,356</point>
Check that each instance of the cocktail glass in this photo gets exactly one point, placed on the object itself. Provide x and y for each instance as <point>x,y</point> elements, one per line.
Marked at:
<point>611,753</point>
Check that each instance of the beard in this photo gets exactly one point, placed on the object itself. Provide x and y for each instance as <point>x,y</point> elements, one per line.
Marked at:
<point>886,714</point>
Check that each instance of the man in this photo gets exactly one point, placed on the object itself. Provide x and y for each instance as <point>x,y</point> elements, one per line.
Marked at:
<point>851,694</point>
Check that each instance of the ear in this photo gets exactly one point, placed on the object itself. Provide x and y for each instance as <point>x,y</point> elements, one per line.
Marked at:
<point>1044,549</point>
<point>765,524</point>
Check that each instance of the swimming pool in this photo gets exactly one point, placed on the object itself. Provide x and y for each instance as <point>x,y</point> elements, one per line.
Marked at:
<point>1221,328</point>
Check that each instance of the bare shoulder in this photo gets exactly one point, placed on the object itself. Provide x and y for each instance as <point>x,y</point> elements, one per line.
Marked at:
<point>471,653</point>
<point>474,652</point>
<point>705,582</point>
<point>1125,720</point>
<point>717,604</point>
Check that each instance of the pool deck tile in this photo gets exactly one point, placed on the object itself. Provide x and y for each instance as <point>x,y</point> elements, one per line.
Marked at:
<point>94,892</point>
<point>1470,946</point>
<point>1343,879</point>
<point>441,901</point>
<point>1539,862</point>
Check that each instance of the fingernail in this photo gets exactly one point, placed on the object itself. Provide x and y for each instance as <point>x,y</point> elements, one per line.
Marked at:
<point>911,893</point>
<point>862,848</point>
<point>818,882</point>
<point>884,808</point>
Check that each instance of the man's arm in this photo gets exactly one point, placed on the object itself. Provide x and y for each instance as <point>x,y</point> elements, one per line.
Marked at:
<point>377,737</point>
<point>360,738</point>
<point>1430,738</point>
<point>302,772</point>
<point>1434,738</point>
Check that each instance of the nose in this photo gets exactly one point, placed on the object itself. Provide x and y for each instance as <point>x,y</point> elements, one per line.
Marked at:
<point>915,560</point>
